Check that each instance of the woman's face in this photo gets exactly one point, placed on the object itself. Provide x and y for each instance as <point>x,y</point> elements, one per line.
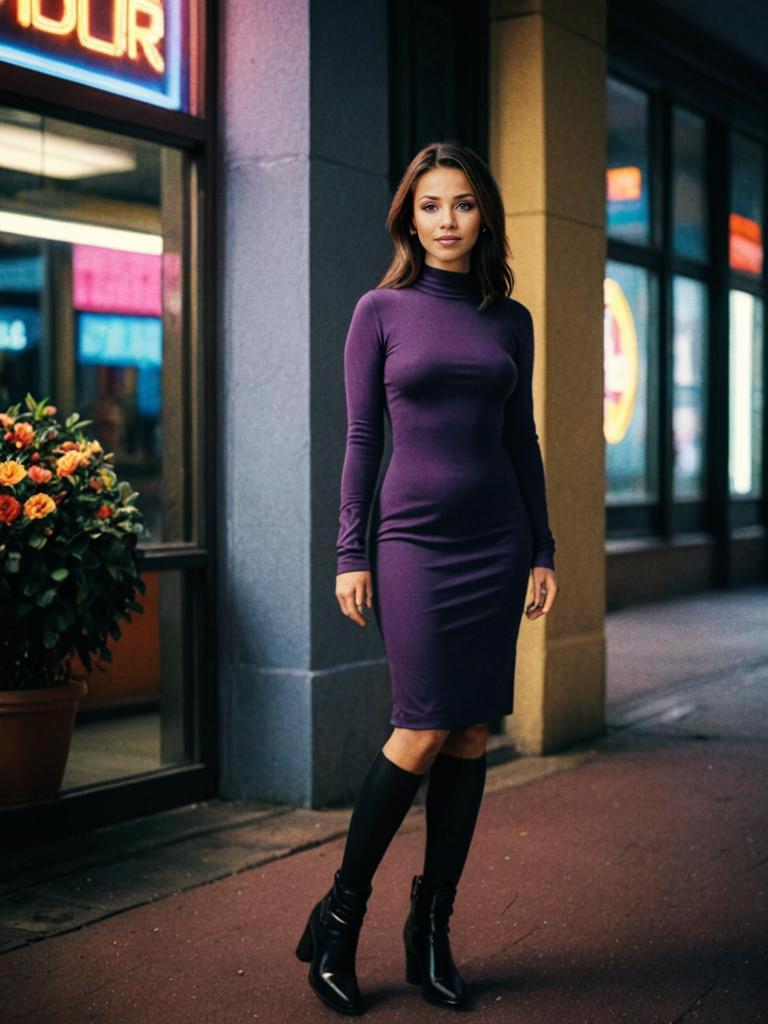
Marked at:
<point>444,205</point>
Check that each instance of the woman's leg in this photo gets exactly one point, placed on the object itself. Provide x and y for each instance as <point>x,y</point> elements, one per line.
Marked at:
<point>329,942</point>
<point>454,795</point>
<point>385,795</point>
<point>456,782</point>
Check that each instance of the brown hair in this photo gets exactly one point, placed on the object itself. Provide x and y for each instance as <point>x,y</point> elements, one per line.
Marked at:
<point>490,254</point>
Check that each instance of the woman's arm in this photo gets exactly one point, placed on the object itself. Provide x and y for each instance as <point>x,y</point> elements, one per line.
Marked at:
<point>522,442</point>
<point>364,387</point>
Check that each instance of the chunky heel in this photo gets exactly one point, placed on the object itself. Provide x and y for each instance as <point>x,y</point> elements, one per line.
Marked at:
<point>306,945</point>
<point>428,959</point>
<point>329,945</point>
<point>412,968</point>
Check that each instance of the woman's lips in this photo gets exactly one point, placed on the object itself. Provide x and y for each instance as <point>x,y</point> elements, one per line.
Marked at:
<point>449,241</point>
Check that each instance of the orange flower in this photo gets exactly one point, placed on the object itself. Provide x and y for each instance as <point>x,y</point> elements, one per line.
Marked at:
<point>23,434</point>
<point>96,485</point>
<point>40,474</point>
<point>6,421</point>
<point>50,410</point>
<point>104,512</point>
<point>68,464</point>
<point>11,472</point>
<point>10,508</point>
<point>95,447</point>
<point>39,506</point>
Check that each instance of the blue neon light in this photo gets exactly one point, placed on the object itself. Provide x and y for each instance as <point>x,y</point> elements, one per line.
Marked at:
<point>168,96</point>
<point>115,340</point>
<point>20,328</point>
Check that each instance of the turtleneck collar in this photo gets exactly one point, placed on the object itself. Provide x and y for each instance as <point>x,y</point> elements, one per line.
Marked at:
<point>450,284</point>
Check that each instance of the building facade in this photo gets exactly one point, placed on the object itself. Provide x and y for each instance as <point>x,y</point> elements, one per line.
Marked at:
<point>248,153</point>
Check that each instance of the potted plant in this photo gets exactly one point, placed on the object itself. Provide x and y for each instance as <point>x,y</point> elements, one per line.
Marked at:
<point>69,571</point>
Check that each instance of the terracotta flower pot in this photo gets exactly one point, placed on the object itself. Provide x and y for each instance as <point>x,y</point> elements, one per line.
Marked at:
<point>35,733</point>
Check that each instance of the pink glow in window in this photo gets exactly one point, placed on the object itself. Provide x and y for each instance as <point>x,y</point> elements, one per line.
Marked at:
<point>112,281</point>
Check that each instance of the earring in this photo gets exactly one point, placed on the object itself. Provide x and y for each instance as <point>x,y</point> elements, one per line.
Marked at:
<point>484,228</point>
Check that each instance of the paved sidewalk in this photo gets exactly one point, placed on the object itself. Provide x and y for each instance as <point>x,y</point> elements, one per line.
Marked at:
<point>624,881</point>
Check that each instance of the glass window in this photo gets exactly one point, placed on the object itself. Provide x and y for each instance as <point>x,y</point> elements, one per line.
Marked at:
<point>630,413</point>
<point>627,182</point>
<point>688,193</point>
<point>689,411</point>
<point>90,294</point>
<point>746,217</point>
<point>746,397</point>
<point>92,233</point>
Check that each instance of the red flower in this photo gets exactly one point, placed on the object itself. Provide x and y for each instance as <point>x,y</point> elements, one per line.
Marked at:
<point>10,508</point>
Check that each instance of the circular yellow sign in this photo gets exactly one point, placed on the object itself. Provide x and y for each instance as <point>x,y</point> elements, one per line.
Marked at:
<point>620,362</point>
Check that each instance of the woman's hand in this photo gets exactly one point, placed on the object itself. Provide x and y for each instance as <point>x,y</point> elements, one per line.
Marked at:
<point>544,592</point>
<point>354,591</point>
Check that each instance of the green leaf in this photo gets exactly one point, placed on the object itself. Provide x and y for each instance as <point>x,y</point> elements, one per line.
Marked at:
<point>13,561</point>
<point>60,574</point>
<point>37,541</point>
<point>50,636</point>
<point>90,560</point>
<point>46,598</point>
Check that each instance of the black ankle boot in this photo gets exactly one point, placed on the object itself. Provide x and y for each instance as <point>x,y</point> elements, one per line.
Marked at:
<point>428,960</point>
<point>329,943</point>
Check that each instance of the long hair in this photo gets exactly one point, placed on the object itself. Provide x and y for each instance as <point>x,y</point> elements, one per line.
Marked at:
<point>490,254</point>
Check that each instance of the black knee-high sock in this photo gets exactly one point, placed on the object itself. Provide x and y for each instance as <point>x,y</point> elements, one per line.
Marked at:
<point>386,793</point>
<point>454,794</point>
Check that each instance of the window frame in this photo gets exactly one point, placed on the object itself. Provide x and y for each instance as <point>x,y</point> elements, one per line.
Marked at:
<point>718,516</point>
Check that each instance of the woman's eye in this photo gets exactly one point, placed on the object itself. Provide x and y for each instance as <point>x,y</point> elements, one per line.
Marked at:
<point>431,206</point>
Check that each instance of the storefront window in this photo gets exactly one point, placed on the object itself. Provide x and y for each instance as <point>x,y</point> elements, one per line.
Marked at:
<point>90,293</point>
<point>746,398</point>
<point>92,237</point>
<point>689,195</point>
<point>630,385</point>
<point>689,390</point>
<point>627,176</point>
<point>746,217</point>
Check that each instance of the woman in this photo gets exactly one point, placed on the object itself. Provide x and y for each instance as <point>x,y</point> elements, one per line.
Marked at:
<point>447,354</point>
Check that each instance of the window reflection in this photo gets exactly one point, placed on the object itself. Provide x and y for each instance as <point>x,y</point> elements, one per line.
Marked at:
<point>627,182</point>
<point>745,395</point>
<point>90,295</point>
<point>689,206</point>
<point>746,219</point>
<point>91,315</point>
<point>630,385</point>
<point>689,388</point>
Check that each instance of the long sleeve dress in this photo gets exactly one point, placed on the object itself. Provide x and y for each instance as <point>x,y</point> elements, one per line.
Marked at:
<point>462,509</point>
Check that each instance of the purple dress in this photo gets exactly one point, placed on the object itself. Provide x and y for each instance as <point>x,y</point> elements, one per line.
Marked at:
<point>462,510</point>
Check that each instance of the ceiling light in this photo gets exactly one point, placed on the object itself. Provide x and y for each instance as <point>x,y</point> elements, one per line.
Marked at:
<point>58,156</point>
<point>57,230</point>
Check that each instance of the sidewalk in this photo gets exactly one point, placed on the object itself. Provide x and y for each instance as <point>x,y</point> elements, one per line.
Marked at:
<point>621,881</point>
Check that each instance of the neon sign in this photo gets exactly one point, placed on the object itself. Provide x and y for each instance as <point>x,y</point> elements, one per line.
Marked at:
<point>620,362</point>
<point>128,47</point>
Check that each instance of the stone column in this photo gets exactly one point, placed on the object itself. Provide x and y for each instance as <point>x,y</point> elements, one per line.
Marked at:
<point>304,693</point>
<point>547,149</point>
